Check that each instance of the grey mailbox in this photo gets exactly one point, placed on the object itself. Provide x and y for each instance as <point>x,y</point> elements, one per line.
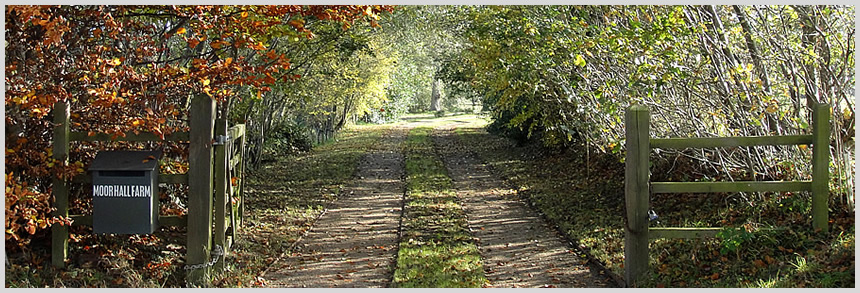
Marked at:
<point>125,192</point>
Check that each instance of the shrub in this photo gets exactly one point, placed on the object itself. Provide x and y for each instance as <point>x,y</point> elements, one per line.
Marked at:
<point>289,138</point>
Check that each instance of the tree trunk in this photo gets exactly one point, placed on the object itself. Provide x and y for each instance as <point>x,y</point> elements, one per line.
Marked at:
<point>346,109</point>
<point>808,39</point>
<point>435,98</point>
<point>753,49</point>
<point>759,65</point>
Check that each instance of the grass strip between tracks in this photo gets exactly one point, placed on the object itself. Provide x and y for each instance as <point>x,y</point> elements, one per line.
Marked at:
<point>436,248</point>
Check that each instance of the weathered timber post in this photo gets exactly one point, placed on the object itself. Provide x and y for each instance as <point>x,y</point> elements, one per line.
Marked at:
<point>60,233</point>
<point>636,192</point>
<point>241,190</point>
<point>221,182</point>
<point>820,165</point>
<point>200,175</point>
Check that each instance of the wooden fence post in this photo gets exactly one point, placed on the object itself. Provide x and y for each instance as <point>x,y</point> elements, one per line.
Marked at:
<point>221,190</point>
<point>637,194</point>
<point>820,165</point>
<point>200,175</point>
<point>60,233</point>
<point>241,187</point>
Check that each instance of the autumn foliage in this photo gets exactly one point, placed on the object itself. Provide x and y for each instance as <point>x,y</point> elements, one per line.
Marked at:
<point>131,69</point>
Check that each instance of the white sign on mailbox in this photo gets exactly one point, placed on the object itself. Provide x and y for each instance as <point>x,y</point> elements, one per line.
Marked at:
<point>122,190</point>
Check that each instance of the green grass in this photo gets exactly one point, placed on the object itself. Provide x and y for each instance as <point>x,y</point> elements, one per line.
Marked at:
<point>436,248</point>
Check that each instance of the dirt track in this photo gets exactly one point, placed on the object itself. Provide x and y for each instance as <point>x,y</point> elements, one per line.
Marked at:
<point>354,244</point>
<point>518,248</point>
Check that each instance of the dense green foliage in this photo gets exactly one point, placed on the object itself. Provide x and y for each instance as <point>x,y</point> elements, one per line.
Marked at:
<point>565,75</point>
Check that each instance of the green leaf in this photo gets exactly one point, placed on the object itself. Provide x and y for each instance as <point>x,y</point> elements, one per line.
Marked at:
<point>579,61</point>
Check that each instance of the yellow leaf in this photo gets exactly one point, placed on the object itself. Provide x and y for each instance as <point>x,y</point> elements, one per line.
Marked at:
<point>772,108</point>
<point>228,61</point>
<point>205,82</point>
<point>579,61</point>
<point>181,30</point>
<point>244,14</point>
<point>115,62</point>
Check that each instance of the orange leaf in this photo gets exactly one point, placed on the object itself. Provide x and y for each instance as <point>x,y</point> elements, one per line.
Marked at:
<point>769,259</point>
<point>31,227</point>
<point>715,276</point>
<point>297,23</point>
<point>181,30</point>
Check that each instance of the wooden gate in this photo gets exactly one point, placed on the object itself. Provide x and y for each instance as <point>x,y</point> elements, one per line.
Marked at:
<point>215,174</point>
<point>638,187</point>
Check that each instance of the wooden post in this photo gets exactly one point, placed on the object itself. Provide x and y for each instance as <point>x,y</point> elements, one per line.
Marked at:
<point>221,190</point>
<point>200,189</point>
<point>637,194</point>
<point>241,191</point>
<point>820,165</point>
<point>60,233</point>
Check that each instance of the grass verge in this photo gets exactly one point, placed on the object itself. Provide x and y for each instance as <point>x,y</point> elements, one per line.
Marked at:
<point>436,248</point>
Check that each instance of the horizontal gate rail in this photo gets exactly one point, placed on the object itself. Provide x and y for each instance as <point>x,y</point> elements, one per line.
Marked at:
<point>714,142</point>
<point>682,233</point>
<point>128,136</point>
<point>163,220</point>
<point>737,186</point>
<point>162,178</point>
